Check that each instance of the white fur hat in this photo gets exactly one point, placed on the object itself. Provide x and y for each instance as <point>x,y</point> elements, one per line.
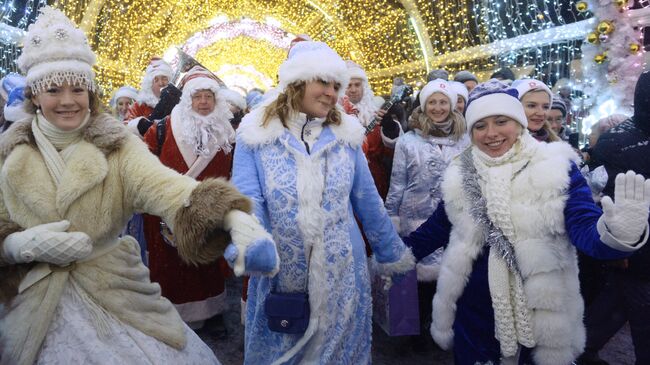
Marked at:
<point>438,86</point>
<point>460,89</point>
<point>124,92</point>
<point>56,51</point>
<point>308,61</point>
<point>494,98</point>
<point>356,71</point>
<point>233,97</point>
<point>525,85</point>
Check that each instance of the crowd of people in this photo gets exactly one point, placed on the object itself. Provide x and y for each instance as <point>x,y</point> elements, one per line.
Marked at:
<point>118,229</point>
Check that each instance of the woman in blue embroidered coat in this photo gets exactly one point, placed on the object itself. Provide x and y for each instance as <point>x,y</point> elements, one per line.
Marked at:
<point>514,210</point>
<point>299,159</point>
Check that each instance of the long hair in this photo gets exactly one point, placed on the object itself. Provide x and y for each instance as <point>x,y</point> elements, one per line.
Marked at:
<point>552,136</point>
<point>422,122</point>
<point>288,103</point>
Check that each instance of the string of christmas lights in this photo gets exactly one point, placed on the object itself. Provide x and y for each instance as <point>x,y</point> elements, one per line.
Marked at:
<point>612,59</point>
<point>14,19</point>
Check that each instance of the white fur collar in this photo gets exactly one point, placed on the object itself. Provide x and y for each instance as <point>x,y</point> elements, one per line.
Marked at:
<point>252,133</point>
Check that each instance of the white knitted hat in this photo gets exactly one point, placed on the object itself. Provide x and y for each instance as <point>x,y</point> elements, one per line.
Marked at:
<point>356,71</point>
<point>525,85</point>
<point>460,89</point>
<point>438,86</point>
<point>308,61</point>
<point>56,51</point>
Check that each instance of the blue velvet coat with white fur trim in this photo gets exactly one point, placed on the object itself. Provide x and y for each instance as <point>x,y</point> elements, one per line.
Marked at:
<point>310,200</point>
<point>574,216</point>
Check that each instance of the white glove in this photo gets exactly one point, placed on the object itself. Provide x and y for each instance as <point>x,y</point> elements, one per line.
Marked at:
<point>47,243</point>
<point>627,219</point>
<point>246,231</point>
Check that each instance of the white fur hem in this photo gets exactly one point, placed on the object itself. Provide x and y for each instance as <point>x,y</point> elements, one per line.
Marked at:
<point>405,263</point>
<point>427,272</point>
<point>444,339</point>
<point>202,309</point>
<point>617,244</point>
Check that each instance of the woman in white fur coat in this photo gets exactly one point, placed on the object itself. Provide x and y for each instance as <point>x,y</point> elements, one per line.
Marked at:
<point>514,211</point>
<point>299,158</point>
<point>73,292</point>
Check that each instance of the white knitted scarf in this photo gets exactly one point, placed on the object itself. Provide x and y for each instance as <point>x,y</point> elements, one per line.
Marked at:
<point>50,140</point>
<point>512,318</point>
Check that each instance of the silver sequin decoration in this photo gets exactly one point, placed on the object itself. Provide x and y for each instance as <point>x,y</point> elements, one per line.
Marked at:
<point>36,40</point>
<point>494,237</point>
<point>60,34</point>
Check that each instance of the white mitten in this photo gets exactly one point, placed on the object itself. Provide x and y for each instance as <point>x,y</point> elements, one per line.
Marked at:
<point>47,243</point>
<point>627,218</point>
<point>255,248</point>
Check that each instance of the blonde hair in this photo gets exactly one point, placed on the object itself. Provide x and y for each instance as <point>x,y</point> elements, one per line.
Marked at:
<point>422,122</point>
<point>552,136</point>
<point>288,104</point>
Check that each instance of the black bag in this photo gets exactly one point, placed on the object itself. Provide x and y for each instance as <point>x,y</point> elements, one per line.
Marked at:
<point>287,312</point>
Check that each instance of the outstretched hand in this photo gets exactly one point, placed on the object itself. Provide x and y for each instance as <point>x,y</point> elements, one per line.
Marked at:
<point>627,216</point>
<point>253,249</point>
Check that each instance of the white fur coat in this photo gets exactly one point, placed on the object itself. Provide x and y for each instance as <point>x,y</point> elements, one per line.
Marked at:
<point>545,256</point>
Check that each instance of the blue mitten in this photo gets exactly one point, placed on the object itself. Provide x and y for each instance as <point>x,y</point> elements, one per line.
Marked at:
<point>252,249</point>
<point>260,257</point>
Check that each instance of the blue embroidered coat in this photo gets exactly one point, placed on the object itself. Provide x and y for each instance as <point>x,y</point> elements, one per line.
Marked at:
<point>308,201</point>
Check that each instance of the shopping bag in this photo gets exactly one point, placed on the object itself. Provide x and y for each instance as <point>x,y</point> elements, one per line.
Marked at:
<point>395,307</point>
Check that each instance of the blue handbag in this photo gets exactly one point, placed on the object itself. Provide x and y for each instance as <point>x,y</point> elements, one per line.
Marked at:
<point>287,312</point>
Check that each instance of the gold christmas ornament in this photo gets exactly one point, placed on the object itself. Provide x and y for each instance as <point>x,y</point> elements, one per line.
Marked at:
<point>635,48</point>
<point>592,38</point>
<point>599,58</point>
<point>582,6</point>
<point>605,27</point>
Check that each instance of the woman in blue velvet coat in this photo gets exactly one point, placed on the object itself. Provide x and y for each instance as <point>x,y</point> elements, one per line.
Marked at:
<point>514,211</point>
<point>299,159</point>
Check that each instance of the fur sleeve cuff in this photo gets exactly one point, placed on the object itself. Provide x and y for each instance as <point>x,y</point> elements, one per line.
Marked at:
<point>404,264</point>
<point>611,241</point>
<point>198,226</point>
<point>11,275</point>
<point>6,228</point>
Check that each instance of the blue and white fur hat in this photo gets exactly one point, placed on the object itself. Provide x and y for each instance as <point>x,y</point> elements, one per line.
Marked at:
<point>494,98</point>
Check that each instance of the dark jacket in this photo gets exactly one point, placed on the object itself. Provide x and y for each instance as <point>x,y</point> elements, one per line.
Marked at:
<point>627,147</point>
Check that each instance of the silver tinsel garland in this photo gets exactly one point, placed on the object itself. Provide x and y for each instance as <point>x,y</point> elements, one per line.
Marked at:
<point>494,237</point>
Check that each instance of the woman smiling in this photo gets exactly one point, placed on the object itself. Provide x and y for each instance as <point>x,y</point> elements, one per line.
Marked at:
<point>513,212</point>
